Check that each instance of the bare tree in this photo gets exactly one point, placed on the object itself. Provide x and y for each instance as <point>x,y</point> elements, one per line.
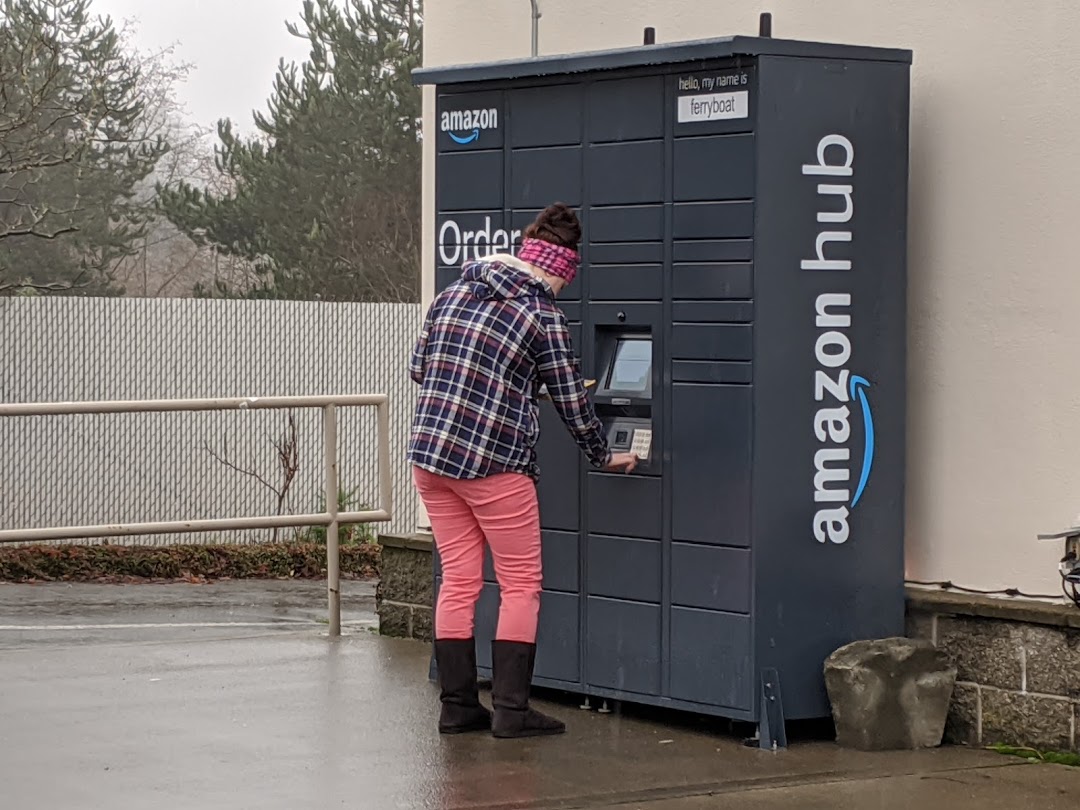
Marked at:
<point>288,460</point>
<point>77,138</point>
<point>168,262</point>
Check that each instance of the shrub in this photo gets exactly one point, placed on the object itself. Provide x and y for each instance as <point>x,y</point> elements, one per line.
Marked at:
<point>70,563</point>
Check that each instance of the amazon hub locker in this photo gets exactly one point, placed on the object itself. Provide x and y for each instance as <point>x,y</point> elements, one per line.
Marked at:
<point>741,305</point>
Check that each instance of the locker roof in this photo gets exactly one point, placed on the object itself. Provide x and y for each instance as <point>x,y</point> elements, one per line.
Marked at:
<point>653,55</point>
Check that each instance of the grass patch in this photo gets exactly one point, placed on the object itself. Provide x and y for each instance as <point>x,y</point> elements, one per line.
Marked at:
<point>348,534</point>
<point>1050,757</point>
<point>109,563</point>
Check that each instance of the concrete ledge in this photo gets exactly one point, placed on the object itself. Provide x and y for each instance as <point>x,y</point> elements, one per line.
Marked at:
<point>1013,609</point>
<point>413,542</point>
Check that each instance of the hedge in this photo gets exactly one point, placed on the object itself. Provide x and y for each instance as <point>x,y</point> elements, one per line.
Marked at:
<point>97,563</point>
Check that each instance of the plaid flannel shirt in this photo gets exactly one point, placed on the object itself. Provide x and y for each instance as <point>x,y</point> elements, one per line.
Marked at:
<point>488,342</point>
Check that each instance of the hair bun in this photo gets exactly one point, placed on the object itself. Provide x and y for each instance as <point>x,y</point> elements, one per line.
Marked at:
<point>557,224</point>
<point>557,213</point>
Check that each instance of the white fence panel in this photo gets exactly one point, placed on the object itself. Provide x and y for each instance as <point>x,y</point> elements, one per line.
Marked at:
<point>70,470</point>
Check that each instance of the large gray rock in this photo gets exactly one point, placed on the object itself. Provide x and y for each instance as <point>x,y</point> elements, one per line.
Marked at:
<point>889,694</point>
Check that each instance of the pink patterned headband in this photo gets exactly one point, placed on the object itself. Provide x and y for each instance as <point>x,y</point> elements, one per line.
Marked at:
<point>553,259</point>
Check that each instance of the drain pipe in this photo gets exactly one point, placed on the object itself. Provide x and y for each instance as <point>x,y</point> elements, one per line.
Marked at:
<point>535,27</point>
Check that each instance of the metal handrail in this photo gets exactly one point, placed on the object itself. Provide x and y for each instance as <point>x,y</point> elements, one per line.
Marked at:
<point>332,518</point>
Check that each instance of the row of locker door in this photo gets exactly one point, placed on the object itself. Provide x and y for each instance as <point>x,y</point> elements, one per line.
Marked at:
<point>708,658</point>
<point>630,569</point>
<point>707,169</point>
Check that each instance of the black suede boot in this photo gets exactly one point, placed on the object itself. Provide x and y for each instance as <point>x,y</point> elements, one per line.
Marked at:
<point>461,709</point>
<point>512,671</point>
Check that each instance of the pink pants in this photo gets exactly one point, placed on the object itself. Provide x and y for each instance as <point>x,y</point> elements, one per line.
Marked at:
<point>503,510</point>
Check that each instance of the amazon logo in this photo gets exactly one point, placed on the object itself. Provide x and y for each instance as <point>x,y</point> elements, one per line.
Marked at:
<point>860,395</point>
<point>464,126</point>
<point>841,473</point>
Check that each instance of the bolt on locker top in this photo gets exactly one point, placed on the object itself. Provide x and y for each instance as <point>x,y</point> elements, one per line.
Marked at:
<point>653,55</point>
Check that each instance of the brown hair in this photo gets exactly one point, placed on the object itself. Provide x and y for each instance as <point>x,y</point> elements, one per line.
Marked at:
<point>557,224</point>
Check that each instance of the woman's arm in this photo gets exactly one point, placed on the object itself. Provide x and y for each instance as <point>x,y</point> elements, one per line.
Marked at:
<point>419,353</point>
<point>558,370</point>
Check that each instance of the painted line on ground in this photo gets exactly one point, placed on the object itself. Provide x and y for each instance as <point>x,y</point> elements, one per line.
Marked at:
<point>6,628</point>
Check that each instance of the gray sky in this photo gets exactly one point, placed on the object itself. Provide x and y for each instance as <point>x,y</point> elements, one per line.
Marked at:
<point>234,45</point>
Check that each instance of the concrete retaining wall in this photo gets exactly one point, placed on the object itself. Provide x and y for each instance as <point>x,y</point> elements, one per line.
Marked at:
<point>1018,667</point>
<point>406,590</point>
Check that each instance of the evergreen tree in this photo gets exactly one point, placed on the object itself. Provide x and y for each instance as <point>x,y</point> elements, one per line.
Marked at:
<point>76,144</point>
<point>325,201</point>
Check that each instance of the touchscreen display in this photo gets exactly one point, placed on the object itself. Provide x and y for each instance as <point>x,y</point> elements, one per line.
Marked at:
<point>632,366</point>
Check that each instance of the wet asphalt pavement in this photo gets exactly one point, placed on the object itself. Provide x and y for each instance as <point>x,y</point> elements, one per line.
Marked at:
<point>231,696</point>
